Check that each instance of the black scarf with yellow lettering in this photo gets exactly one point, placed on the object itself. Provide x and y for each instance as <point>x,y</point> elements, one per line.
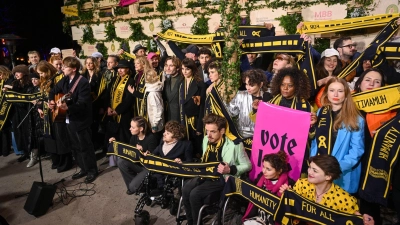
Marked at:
<point>323,132</point>
<point>4,106</point>
<point>383,157</point>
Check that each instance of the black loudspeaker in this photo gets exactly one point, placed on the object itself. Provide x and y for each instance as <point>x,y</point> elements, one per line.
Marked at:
<point>40,198</point>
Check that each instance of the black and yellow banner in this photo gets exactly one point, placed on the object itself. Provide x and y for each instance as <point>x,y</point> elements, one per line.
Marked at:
<point>4,110</point>
<point>383,157</point>
<point>332,26</point>
<point>391,50</point>
<point>379,100</point>
<point>286,44</point>
<point>162,165</point>
<point>292,205</point>
<point>18,97</point>
<point>371,50</point>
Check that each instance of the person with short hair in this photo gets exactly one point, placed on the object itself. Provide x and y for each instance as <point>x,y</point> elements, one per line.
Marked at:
<point>78,117</point>
<point>204,57</point>
<point>320,187</point>
<point>216,148</point>
<point>173,146</point>
<point>34,58</point>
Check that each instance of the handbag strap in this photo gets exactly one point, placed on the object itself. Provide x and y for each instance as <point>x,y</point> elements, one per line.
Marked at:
<point>75,84</point>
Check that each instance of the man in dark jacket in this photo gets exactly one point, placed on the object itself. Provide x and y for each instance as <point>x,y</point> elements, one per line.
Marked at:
<point>78,109</point>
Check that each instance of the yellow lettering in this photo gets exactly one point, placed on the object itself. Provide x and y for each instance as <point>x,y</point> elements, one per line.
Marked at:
<point>322,122</point>
<point>322,143</point>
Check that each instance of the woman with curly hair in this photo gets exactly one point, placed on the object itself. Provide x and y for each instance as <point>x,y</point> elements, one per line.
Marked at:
<point>338,130</point>
<point>291,89</point>
<point>274,174</point>
<point>241,105</point>
<point>174,147</point>
<point>6,78</point>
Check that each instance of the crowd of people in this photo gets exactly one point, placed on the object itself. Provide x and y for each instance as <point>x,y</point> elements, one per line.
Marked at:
<point>170,106</point>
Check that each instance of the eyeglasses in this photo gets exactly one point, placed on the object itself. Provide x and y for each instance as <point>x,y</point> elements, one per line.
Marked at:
<point>349,46</point>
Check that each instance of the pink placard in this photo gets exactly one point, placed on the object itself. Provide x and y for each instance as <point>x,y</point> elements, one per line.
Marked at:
<point>279,128</point>
<point>126,2</point>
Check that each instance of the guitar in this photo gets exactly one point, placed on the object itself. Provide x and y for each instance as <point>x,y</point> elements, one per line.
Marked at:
<point>59,114</point>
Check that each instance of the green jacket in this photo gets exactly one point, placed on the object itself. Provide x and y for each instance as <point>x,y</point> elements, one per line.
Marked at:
<point>234,155</point>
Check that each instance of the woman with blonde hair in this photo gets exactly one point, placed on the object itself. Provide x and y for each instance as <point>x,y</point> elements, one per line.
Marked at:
<point>338,130</point>
<point>142,65</point>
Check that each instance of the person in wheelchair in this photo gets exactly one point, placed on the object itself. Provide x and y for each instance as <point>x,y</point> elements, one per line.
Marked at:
<point>216,147</point>
<point>274,174</point>
<point>144,141</point>
<point>173,147</point>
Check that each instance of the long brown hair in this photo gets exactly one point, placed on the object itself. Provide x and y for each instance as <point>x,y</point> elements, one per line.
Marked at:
<point>189,63</point>
<point>348,115</point>
<point>49,70</point>
<point>321,72</point>
<point>95,65</point>
<point>146,65</point>
<point>5,72</point>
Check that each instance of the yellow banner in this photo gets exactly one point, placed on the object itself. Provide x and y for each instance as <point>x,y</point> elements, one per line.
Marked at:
<point>71,11</point>
<point>331,26</point>
<point>187,38</point>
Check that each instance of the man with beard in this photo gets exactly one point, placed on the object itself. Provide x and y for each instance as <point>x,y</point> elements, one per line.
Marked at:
<point>347,52</point>
<point>171,88</point>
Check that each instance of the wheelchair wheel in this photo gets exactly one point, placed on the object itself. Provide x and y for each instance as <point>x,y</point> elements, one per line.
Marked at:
<point>143,218</point>
<point>173,210</point>
<point>148,202</point>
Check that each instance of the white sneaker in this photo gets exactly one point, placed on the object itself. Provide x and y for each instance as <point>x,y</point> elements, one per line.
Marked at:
<point>33,160</point>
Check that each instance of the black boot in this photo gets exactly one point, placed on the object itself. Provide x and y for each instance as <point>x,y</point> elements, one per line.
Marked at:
<point>23,158</point>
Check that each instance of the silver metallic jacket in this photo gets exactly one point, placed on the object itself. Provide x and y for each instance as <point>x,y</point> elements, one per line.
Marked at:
<point>241,106</point>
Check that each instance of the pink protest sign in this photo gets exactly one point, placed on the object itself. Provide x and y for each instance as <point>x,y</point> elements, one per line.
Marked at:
<point>279,128</point>
<point>127,2</point>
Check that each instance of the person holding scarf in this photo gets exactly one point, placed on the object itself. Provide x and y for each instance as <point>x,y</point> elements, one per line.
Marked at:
<point>142,65</point>
<point>57,130</point>
<point>21,84</point>
<point>338,130</point>
<point>191,100</point>
<point>144,141</point>
<point>369,80</point>
<point>120,103</point>
<point>274,174</point>
<point>281,61</point>
<point>241,105</point>
<point>6,78</point>
<point>319,187</point>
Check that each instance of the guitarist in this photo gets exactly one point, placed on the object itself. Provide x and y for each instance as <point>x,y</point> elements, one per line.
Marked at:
<point>79,117</point>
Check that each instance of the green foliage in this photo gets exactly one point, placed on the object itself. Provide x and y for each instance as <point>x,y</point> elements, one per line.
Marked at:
<point>103,14</point>
<point>110,31</point>
<point>199,3</point>
<point>88,35</point>
<point>166,24</point>
<point>145,10</point>
<point>85,16</point>
<point>151,45</point>
<point>289,22</point>
<point>320,44</point>
<point>137,32</point>
<point>299,4</point>
<point>163,6</point>
<point>200,26</point>
<point>102,49</point>
<point>119,11</point>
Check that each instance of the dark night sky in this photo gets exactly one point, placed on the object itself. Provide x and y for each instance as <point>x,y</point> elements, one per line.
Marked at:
<point>38,21</point>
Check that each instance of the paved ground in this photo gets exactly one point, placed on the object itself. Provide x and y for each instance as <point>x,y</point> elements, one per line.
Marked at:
<point>108,205</point>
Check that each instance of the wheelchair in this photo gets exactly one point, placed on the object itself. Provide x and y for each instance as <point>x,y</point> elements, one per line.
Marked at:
<point>210,206</point>
<point>166,199</point>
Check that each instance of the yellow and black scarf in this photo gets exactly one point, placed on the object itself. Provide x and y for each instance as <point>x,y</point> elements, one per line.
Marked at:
<point>141,88</point>
<point>379,100</point>
<point>302,105</point>
<point>323,132</point>
<point>117,93</point>
<point>384,154</point>
<point>4,106</point>
<point>215,149</point>
<point>188,122</point>
<point>162,165</point>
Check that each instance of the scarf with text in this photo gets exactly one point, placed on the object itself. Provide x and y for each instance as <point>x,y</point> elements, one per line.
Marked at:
<point>333,26</point>
<point>4,106</point>
<point>140,87</point>
<point>118,92</point>
<point>12,96</point>
<point>371,50</point>
<point>383,157</point>
<point>323,132</point>
<point>162,165</point>
<point>214,149</point>
<point>379,100</point>
<point>187,122</point>
<point>292,205</point>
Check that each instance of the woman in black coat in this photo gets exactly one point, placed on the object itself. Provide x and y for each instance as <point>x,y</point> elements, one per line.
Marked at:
<point>6,79</point>
<point>174,147</point>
